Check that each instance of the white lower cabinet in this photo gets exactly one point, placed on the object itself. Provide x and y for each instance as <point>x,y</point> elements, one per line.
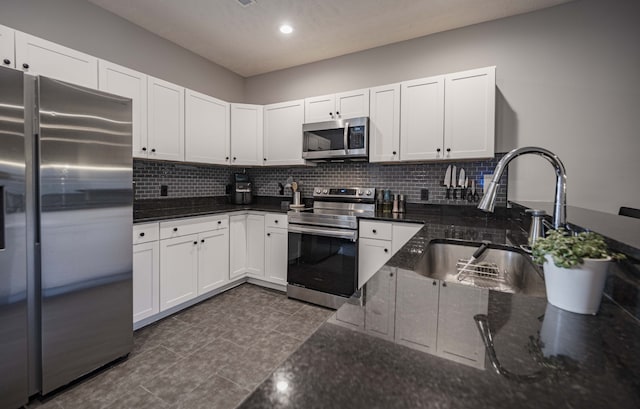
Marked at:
<point>416,311</point>
<point>237,245</point>
<point>178,270</point>
<point>255,245</point>
<point>458,335</point>
<point>275,255</point>
<point>146,280</point>
<point>380,304</point>
<point>213,260</point>
<point>372,254</point>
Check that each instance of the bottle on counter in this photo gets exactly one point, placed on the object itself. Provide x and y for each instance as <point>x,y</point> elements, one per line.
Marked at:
<point>395,204</point>
<point>387,204</point>
<point>402,205</point>
<point>380,200</point>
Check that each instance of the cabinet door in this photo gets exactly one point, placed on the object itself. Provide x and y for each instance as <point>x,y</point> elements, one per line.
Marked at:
<point>372,254</point>
<point>402,233</point>
<point>351,315</point>
<point>320,109</point>
<point>7,48</point>
<point>422,119</point>
<point>416,311</point>
<point>458,336</point>
<point>166,120</point>
<point>275,255</point>
<point>178,270</point>
<point>384,124</point>
<point>131,84</point>
<point>146,280</point>
<point>255,245</point>
<point>213,260</point>
<point>470,113</point>
<point>41,57</point>
<point>237,246</point>
<point>246,134</point>
<point>352,104</point>
<point>380,307</point>
<point>283,133</point>
<point>207,135</point>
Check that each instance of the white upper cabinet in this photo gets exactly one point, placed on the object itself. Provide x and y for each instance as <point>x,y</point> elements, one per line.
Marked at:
<point>207,135</point>
<point>349,104</point>
<point>283,133</point>
<point>246,134</point>
<point>165,120</point>
<point>422,119</point>
<point>131,84</point>
<point>7,49</point>
<point>41,57</point>
<point>384,124</point>
<point>469,130</point>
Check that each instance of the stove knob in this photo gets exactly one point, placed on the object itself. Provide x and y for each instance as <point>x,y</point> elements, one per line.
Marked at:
<point>317,191</point>
<point>360,192</point>
<point>368,193</point>
<point>325,191</point>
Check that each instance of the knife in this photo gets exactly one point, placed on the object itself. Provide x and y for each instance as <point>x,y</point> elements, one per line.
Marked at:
<point>454,181</point>
<point>461,179</point>
<point>447,179</point>
<point>476,197</point>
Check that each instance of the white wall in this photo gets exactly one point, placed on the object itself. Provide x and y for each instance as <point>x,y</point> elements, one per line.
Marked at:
<point>566,79</point>
<point>83,26</point>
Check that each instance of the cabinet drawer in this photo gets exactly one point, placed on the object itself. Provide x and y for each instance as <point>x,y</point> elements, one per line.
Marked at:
<point>275,220</point>
<point>179,228</point>
<point>146,232</point>
<point>376,230</point>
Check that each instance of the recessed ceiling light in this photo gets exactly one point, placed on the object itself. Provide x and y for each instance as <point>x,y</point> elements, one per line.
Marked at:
<point>286,29</point>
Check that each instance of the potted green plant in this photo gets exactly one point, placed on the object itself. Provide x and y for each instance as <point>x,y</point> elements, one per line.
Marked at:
<point>575,269</point>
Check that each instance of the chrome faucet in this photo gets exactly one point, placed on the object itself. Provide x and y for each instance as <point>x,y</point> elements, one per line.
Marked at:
<point>560,202</point>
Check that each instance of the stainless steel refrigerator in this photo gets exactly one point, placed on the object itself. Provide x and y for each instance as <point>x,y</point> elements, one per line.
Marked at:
<point>65,233</point>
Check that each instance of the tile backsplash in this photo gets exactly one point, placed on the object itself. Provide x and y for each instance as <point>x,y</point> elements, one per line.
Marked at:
<point>191,180</point>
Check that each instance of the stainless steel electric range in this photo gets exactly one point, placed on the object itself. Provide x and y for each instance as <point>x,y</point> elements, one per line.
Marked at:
<point>323,245</point>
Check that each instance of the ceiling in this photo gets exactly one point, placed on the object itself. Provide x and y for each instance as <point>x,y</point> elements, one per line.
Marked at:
<point>246,40</point>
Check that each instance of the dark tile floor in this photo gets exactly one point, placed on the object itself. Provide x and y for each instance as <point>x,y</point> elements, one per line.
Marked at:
<point>211,355</point>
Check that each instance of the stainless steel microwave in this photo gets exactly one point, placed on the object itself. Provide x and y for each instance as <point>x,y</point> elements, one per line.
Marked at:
<point>343,139</point>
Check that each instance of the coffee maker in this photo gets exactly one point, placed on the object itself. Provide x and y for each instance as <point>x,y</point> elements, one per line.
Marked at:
<point>241,191</point>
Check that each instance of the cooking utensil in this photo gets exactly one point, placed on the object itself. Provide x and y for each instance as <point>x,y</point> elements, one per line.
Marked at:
<point>447,180</point>
<point>294,186</point>
<point>454,182</point>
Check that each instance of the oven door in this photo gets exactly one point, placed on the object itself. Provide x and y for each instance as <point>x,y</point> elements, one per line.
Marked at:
<point>323,259</point>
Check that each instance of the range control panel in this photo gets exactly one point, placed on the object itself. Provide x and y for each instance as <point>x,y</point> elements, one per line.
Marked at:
<point>345,192</point>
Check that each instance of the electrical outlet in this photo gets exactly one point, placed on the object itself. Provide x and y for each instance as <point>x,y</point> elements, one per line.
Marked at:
<point>424,194</point>
<point>164,190</point>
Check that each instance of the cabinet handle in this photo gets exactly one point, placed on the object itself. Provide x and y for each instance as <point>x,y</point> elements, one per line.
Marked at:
<point>219,221</point>
<point>142,234</point>
<point>386,250</point>
<point>234,158</point>
<point>7,61</point>
<point>394,152</point>
<point>438,150</point>
<point>435,282</point>
<point>264,159</point>
<point>448,149</point>
<point>144,149</point>
<point>25,66</point>
<point>374,231</point>
<point>275,221</point>
<point>268,234</point>
<point>444,284</point>
<point>175,229</point>
<point>153,150</point>
<point>202,241</point>
<point>195,242</point>
<point>337,113</point>
<point>227,158</point>
<point>390,274</point>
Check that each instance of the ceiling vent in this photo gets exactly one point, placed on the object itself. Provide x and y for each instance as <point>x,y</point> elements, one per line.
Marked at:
<point>245,3</point>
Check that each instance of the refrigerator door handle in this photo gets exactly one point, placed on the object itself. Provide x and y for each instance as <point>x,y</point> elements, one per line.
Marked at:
<point>3,215</point>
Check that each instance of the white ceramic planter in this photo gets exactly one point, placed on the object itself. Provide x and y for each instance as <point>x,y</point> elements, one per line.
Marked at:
<point>577,289</point>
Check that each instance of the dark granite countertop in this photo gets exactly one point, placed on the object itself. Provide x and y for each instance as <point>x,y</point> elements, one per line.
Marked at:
<point>588,361</point>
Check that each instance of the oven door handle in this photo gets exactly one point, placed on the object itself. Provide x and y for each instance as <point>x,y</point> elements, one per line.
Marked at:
<point>322,231</point>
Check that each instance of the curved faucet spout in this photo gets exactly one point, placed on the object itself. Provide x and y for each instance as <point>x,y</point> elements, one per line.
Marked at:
<point>560,202</point>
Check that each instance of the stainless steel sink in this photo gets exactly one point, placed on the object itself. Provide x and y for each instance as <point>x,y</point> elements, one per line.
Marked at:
<point>499,268</point>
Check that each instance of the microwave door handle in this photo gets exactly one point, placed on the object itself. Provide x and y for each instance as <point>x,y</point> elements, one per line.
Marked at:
<point>346,137</point>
